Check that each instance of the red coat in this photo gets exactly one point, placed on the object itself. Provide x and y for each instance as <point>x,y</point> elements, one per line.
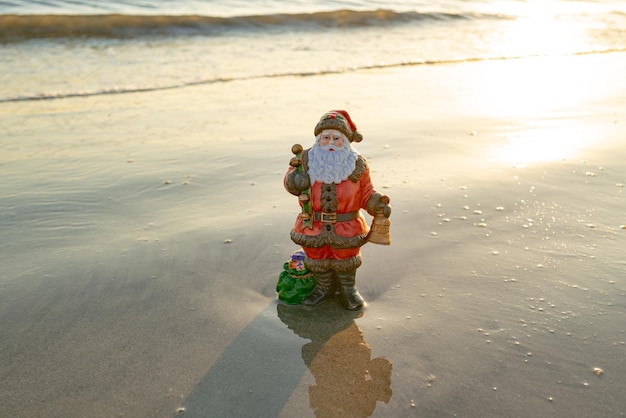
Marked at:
<point>348,197</point>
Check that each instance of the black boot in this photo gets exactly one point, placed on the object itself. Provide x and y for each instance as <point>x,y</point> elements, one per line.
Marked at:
<point>325,288</point>
<point>350,297</point>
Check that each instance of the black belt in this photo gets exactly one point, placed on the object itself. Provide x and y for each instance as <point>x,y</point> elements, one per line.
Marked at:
<point>332,217</point>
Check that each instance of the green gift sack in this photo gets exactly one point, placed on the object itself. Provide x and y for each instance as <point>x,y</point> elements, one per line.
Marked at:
<point>295,282</point>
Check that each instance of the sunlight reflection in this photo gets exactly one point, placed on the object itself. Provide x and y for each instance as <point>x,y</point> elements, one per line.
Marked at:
<point>537,87</point>
<point>548,81</point>
<point>540,145</point>
<point>544,28</point>
<point>545,91</point>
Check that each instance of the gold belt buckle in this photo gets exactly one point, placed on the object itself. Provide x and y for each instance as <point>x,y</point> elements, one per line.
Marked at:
<point>329,217</point>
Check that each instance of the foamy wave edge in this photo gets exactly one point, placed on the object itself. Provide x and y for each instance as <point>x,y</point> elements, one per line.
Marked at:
<point>130,90</point>
<point>20,27</point>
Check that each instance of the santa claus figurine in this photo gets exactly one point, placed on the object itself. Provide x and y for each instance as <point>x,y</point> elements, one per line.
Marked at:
<point>333,183</point>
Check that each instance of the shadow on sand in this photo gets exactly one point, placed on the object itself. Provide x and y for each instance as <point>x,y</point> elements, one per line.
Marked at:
<point>260,369</point>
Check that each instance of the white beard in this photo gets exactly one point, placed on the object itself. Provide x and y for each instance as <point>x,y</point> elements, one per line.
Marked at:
<point>331,167</point>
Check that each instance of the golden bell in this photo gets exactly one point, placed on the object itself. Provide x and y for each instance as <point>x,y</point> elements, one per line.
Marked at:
<point>379,232</point>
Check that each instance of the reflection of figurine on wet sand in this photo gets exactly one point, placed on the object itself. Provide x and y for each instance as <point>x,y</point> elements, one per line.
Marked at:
<point>348,383</point>
<point>332,182</point>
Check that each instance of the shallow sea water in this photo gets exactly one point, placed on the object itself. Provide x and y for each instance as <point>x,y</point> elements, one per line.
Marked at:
<point>149,45</point>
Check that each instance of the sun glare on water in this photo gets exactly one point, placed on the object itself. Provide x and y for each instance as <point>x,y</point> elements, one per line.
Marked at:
<point>542,97</point>
<point>543,28</point>
<point>539,145</point>
<point>543,90</point>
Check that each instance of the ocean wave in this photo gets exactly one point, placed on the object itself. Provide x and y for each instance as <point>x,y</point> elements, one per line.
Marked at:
<point>134,89</point>
<point>19,27</point>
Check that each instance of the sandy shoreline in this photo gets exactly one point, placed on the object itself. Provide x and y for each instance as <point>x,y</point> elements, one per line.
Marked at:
<point>502,291</point>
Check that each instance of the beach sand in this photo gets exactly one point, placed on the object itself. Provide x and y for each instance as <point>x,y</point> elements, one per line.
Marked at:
<point>142,237</point>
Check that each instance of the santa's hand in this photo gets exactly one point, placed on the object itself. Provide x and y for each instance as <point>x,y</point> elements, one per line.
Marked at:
<point>383,206</point>
<point>301,180</point>
<point>296,182</point>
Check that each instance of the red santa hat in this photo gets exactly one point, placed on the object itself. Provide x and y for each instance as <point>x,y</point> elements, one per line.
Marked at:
<point>341,121</point>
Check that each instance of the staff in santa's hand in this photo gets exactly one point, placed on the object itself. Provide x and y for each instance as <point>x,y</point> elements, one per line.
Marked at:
<point>305,198</point>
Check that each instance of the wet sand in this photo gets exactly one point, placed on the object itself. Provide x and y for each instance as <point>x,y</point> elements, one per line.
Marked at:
<point>142,236</point>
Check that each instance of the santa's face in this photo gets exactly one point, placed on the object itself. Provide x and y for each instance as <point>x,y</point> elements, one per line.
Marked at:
<point>331,140</point>
<point>332,158</point>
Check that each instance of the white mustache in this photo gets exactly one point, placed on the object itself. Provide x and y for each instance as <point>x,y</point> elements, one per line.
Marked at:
<point>327,147</point>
